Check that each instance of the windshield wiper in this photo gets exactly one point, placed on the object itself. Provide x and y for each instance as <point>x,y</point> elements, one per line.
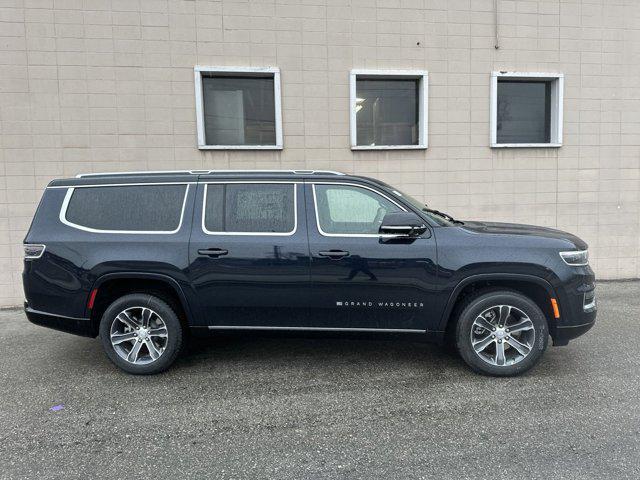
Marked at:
<point>443,215</point>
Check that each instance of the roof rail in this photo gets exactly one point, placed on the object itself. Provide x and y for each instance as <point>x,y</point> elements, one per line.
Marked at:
<point>297,172</point>
<point>142,172</point>
<point>208,172</point>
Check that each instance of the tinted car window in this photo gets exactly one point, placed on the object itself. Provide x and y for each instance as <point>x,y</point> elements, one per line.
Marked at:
<point>150,208</point>
<point>344,209</point>
<point>250,208</point>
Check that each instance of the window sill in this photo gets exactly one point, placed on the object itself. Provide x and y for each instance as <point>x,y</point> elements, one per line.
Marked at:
<point>388,147</point>
<point>240,147</point>
<point>526,145</point>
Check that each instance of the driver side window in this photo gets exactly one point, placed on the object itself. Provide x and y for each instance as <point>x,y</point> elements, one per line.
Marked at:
<point>346,209</point>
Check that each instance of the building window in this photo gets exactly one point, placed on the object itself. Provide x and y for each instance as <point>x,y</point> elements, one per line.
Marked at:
<point>526,109</point>
<point>238,108</point>
<point>388,109</point>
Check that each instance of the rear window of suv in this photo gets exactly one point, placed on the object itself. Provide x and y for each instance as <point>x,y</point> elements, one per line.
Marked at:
<point>250,208</point>
<point>125,208</point>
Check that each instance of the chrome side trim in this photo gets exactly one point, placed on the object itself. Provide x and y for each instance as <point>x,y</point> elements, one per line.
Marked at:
<point>350,235</point>
<point>40,312</point>
<point>67,199</point>
<point>315,329</point>
<point>263,234</point>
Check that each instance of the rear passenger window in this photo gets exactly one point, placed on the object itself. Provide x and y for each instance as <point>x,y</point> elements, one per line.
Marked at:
<point>127,208</point>
<point>250,208</point>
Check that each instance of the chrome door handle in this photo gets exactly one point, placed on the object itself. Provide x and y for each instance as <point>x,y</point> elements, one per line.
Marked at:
<point>334,254</point>
<point>213,252</point>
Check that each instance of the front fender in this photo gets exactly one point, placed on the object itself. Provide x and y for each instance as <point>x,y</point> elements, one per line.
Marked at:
<point>488,277</point>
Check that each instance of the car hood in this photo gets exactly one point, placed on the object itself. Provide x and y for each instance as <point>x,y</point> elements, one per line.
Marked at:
<point>496,228</point>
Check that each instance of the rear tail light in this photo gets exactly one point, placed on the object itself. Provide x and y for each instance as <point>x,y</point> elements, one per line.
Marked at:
<point>32,251</point>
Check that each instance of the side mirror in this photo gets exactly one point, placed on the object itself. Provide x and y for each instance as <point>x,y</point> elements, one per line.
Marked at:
<point>405,224</point>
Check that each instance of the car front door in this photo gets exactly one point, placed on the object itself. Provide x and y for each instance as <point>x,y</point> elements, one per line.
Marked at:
<point>360,279</point>
<point>249,254</point>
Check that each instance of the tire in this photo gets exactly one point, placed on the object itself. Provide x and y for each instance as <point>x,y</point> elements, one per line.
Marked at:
<point>522,345</point>
<point>158,344</point>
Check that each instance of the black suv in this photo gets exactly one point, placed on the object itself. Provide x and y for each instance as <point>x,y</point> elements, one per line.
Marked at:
<point>142,258</point>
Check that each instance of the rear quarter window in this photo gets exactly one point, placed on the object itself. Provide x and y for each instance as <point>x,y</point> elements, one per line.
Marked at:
<point>126,208</point>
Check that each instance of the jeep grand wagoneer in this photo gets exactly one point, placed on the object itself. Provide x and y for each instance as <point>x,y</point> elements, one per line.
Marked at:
<point>139,258</point>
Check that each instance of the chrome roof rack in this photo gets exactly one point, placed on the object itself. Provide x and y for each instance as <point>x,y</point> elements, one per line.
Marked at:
<point>297,172</point>
<point>142,172</point>
<point>208,172</point>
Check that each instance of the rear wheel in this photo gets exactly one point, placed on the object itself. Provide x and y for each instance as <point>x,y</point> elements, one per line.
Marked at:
<point>141,334</point>
<point>501,333</point>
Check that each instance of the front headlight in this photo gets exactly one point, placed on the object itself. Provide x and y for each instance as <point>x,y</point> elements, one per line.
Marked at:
<point>576,258</point>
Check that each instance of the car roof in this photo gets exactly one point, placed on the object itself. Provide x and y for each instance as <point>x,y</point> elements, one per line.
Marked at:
<point>192,176</point>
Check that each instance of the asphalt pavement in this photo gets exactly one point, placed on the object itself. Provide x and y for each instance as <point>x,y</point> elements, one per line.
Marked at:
<point>285,406</point>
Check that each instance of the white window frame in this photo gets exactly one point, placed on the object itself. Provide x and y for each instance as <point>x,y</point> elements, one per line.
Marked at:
<point>557,97</point>
<point>423,99</point>
<point>67,198</point>
<point>252,182</point>
<point>198,72</point>
<point>351,235</point>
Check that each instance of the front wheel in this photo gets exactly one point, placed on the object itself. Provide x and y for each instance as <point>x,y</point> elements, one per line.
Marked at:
<point>141,334</point>
<point>501,333</point>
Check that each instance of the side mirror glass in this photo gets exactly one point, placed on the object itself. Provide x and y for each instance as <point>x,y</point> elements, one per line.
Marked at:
<point>404,224</point>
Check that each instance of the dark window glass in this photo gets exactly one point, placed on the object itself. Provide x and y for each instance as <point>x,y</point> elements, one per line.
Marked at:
<point>239,110</point>
<point>344,209</point>
<point>254,208</point>
<point>151,208</point>
<point>524,112</point>
<point>387,112</point>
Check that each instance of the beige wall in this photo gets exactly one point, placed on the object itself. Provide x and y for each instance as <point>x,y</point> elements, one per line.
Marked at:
<point>94,85</point>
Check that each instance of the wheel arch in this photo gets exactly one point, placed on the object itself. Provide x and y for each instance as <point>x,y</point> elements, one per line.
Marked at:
<point>536,288</point>
<point>110,286</point>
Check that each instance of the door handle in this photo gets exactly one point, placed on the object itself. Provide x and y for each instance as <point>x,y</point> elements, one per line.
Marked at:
<point>213,252</point>
<point>334,254</point>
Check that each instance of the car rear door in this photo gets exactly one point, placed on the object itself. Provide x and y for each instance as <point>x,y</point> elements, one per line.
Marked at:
<point>360,279</point>
<point>249,253</point>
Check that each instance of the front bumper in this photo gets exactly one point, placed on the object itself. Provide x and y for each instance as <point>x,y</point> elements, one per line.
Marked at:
<point>568,332</point>
<point>78,326</point>
<point>578,310</point>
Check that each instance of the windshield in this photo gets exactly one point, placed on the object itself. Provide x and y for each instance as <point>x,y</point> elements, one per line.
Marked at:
<point>436,217</point>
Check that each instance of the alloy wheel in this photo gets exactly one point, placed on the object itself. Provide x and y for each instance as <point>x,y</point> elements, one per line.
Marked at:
<point>139,335</point>
<point>502,335</point>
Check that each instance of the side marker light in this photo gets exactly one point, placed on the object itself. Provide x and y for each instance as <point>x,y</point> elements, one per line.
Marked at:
<point>556,310</point>
<point>92,298</point>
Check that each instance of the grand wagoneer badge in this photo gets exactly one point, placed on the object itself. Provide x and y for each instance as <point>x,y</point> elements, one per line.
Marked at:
<point>369,304</point>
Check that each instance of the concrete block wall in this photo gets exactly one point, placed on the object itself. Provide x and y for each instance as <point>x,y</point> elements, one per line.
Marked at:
<point>103,85</point>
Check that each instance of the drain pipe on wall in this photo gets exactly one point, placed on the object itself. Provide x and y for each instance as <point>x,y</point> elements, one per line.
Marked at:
<point>495,9</point>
